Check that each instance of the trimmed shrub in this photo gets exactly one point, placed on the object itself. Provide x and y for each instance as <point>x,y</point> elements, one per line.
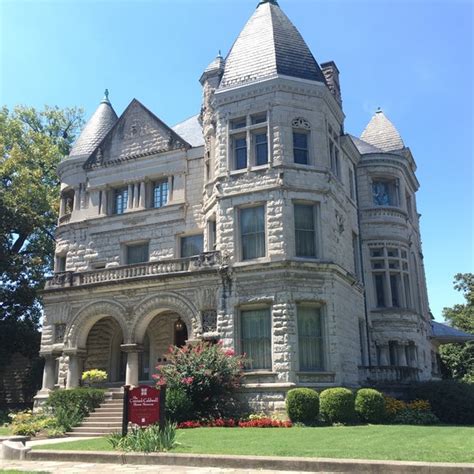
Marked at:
<point>302,406</point>
<point>336,405</point>
<point>413,416</point>
<point>451,401</point>
<point>370,405</point>
<point>70,407</point>
<point>179,407</point>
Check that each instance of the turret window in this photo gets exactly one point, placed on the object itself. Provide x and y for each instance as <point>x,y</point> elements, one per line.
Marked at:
<point>305,230</point>
<point>334,153</point>
<point>240,152</point>
<point>391,277</point>
<point>385,192</point>
<point>261,148</point>
<point>300,147</point>
<point>252,232</point>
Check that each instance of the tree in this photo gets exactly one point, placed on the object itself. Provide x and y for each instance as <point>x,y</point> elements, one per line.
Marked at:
<point>32,143</point>
<point>458,359</point>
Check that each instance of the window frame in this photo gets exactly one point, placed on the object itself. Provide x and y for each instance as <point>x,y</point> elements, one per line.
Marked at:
<point>253,308</point>
<point>189,236</point>
<point>393,187</point>
<point>164,197</point>
<point>241,209</point>
<point>123,192</point>
<point>128,245</point>
<point>306,133</point>
<point>322,337</point>
<point>316,229</point>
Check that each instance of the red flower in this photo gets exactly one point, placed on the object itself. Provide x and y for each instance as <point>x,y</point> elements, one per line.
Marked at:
<point>229,352</point>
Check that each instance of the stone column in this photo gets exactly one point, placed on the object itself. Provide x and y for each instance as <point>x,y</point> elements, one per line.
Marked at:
<point>74,367</point>
<point>402,358</point>
<point>48,372</point>
<point>132,369</point>
<point>104,203</point>
<point>77,198</point>
<point>142,203</point>
<point>62,206</point>
<point>384,355</point>
<point>130,197</point>
<point>136,195</point>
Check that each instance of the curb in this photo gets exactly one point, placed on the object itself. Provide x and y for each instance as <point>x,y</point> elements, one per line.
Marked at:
<point>252,462</point>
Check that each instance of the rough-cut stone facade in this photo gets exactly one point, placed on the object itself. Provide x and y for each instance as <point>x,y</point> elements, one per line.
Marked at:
<point>103,312</point>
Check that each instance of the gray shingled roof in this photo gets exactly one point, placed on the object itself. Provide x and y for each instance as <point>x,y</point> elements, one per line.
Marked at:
<point>191,131</point>
<point>365,147</point>
<point>269,45</point>
<point>381,133</point>
<point>95,130</point>
<point>445,333</point>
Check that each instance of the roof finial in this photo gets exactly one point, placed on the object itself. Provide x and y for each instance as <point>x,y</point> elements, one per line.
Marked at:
<point>379,110</point>
<point>274,2</point>
<point>219,54</point>
<point>105,100</point>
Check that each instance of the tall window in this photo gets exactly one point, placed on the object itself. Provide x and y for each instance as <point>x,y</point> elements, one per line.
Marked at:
<point>252,232</point>
<point>300,147</point>
<point>137,253</point>
<point>240,153</point>
<point>160,193</point>
<point>352,193</point>
<point>120,200</point>
<point>261,148</point>
<point>305,230</point>
<point>356,253</point>
<point>391,277</point>
<point>192,245</point>
<point>248,136</point>
<point>310,338</point>
<point>256,338</point>
<point>334,152</point>
<point>409,206</point>
<point>385,192</point>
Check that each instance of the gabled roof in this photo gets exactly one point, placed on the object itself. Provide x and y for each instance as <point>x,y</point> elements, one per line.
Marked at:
<point>95,129</point>
<point>138,132</point>
<point>381,133</point>
<point>269,45</point>
<point>446,334</point>
<point>191,131</point>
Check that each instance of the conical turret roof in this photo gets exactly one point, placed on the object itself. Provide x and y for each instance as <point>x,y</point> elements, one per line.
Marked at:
<point>381,133</point>
<point>268,46</point>
<point>95,129</point>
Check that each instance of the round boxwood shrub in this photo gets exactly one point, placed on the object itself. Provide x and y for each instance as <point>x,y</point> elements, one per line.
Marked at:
<point>302,405</point>
<point>337,405</point>
<point>370,405</point>
<point>179,406</point>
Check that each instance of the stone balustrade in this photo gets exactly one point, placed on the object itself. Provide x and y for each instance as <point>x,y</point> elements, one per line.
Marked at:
<point>149,269</point>
<point>384,374</point>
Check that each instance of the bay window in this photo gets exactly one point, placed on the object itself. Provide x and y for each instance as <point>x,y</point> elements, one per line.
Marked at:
<point>252,232</point>
<point>310,338</point>
<point>305,230</point>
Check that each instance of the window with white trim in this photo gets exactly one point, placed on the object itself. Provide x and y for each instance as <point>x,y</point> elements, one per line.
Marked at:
<point>391,277</point>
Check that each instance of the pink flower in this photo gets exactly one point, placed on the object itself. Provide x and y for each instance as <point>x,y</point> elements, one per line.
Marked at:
<point>187,380</point>
<point>229,352</point>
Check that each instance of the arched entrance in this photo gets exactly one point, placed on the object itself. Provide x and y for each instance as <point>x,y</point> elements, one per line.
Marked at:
<point>164,330</point>
<point>103,349</point>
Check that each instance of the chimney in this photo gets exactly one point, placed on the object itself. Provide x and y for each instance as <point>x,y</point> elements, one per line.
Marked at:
<point>331,73</point>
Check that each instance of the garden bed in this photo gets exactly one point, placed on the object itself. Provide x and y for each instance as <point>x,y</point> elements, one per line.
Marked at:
<point>381,442</point>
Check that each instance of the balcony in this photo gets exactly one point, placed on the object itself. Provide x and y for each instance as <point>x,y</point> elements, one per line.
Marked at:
<point>388,374</point>
<point>202,262</point>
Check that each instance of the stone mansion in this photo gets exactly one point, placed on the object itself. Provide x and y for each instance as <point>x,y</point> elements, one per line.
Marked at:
<point>260,223</point>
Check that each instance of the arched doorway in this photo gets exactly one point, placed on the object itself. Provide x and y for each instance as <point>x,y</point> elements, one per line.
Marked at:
<point>165,329</point>
<point>103,349</point>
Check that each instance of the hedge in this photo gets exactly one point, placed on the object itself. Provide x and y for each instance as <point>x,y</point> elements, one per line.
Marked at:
<point>302,406</point>
<point>337,405</point>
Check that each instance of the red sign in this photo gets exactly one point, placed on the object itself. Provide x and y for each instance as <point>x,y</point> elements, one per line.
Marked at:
<point>144,405</point>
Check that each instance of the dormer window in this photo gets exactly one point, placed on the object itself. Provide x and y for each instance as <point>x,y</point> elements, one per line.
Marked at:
<point>160,193</point>
<point>385,192</point>
<point>120,200</point>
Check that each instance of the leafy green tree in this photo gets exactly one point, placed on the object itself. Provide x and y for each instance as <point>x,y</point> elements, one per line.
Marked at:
<point>458,359</point>
<point>32,143</point>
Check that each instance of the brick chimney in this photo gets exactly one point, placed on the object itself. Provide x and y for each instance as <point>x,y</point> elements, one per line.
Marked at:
<point>331,73</point>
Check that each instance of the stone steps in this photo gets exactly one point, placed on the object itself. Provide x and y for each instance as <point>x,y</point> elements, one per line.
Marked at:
<point>105,420</point>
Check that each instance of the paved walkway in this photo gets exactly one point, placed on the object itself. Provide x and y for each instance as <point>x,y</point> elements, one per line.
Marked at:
<point>89,468</point>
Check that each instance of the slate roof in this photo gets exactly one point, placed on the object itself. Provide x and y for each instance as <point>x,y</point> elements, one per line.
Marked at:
<point>445,333</point>
<point>269,45</point>
<point>364,147</point>
<point>95,130</point>
<point>381,133</point>
<point>191,131</point>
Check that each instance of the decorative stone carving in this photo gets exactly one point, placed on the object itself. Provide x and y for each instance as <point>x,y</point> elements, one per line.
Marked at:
<point>59,333</point>
<point>301,122</point>
<point>209,320</point>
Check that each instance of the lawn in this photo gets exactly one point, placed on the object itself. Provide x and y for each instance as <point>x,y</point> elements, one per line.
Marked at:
<point>409,443</point>
<point>4,431</point>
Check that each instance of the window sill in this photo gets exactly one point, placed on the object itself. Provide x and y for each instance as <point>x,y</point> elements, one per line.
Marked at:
<point>314,372</point>
<point>264,167</point>
<point>258,372</point>
<point>254,261</point>
<point>238,172</point>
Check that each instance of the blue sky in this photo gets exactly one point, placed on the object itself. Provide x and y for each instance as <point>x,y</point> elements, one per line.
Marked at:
<point>412,58</point>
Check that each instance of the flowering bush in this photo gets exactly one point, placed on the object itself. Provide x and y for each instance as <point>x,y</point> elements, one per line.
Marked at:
<point>416,412</point>
<point>206,373</point>
<point>94,376</point>
<point>25,423</point>
<point>255,422</point>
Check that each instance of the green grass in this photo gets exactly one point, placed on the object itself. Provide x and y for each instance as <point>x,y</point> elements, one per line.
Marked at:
<point>404,443</point>
<point>4,431</point>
